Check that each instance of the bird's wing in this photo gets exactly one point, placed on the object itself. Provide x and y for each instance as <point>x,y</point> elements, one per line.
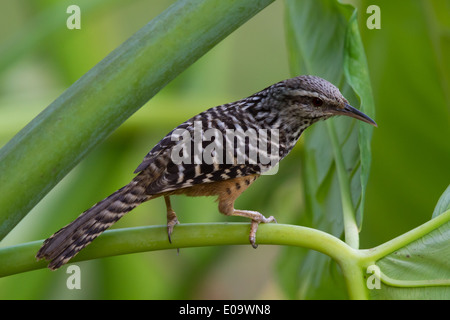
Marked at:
<point>192,157</point>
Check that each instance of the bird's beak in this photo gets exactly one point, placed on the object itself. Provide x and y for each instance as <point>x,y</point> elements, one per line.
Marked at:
<point>349,111</point>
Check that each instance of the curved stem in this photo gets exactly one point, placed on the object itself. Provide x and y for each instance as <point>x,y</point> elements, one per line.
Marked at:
<point>21,258</point>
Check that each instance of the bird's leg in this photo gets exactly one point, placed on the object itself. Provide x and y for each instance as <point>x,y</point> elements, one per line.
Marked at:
<point>257,218</point>
<point>229,191</point>
<point>172,219</point>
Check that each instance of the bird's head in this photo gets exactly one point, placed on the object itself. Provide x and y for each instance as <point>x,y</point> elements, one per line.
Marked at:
<point>313,98</point>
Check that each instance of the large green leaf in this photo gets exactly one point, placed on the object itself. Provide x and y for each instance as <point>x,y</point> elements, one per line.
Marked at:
<point>421,269</point>
<point>323,40</point>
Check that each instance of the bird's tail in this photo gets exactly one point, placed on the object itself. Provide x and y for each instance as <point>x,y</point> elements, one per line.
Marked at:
<point>67,242</point>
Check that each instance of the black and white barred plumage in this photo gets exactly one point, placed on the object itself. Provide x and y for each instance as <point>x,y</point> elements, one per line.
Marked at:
<point>286,108</point>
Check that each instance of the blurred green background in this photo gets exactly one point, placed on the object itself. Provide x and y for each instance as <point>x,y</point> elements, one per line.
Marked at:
<point>40,58</point>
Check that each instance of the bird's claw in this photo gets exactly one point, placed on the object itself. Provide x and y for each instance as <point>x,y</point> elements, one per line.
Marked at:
<point>254,228</point>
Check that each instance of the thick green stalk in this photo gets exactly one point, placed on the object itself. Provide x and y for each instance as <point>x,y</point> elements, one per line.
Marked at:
<point>42,153</point>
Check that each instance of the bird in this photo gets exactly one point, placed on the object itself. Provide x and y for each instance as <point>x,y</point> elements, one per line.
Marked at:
<point>219,152</point>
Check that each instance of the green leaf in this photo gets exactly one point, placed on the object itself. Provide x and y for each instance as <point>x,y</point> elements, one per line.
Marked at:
<point>443,203</point>
<point>419,270</point>
<point>323,40</point>
<point>356,73</point>
<point>41,154</point>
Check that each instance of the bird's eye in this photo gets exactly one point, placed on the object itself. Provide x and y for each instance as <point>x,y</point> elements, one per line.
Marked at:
<point>317,102</point>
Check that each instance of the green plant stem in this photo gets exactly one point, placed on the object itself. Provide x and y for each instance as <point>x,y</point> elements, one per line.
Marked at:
<point>374,254</point>
<point>21,258</point>
<point>348,211</point>
<point>42,153</point>
<point>413,283</point>
<point>354,277</point>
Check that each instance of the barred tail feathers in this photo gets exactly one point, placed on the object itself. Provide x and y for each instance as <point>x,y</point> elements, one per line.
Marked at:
<point>67,242</point>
